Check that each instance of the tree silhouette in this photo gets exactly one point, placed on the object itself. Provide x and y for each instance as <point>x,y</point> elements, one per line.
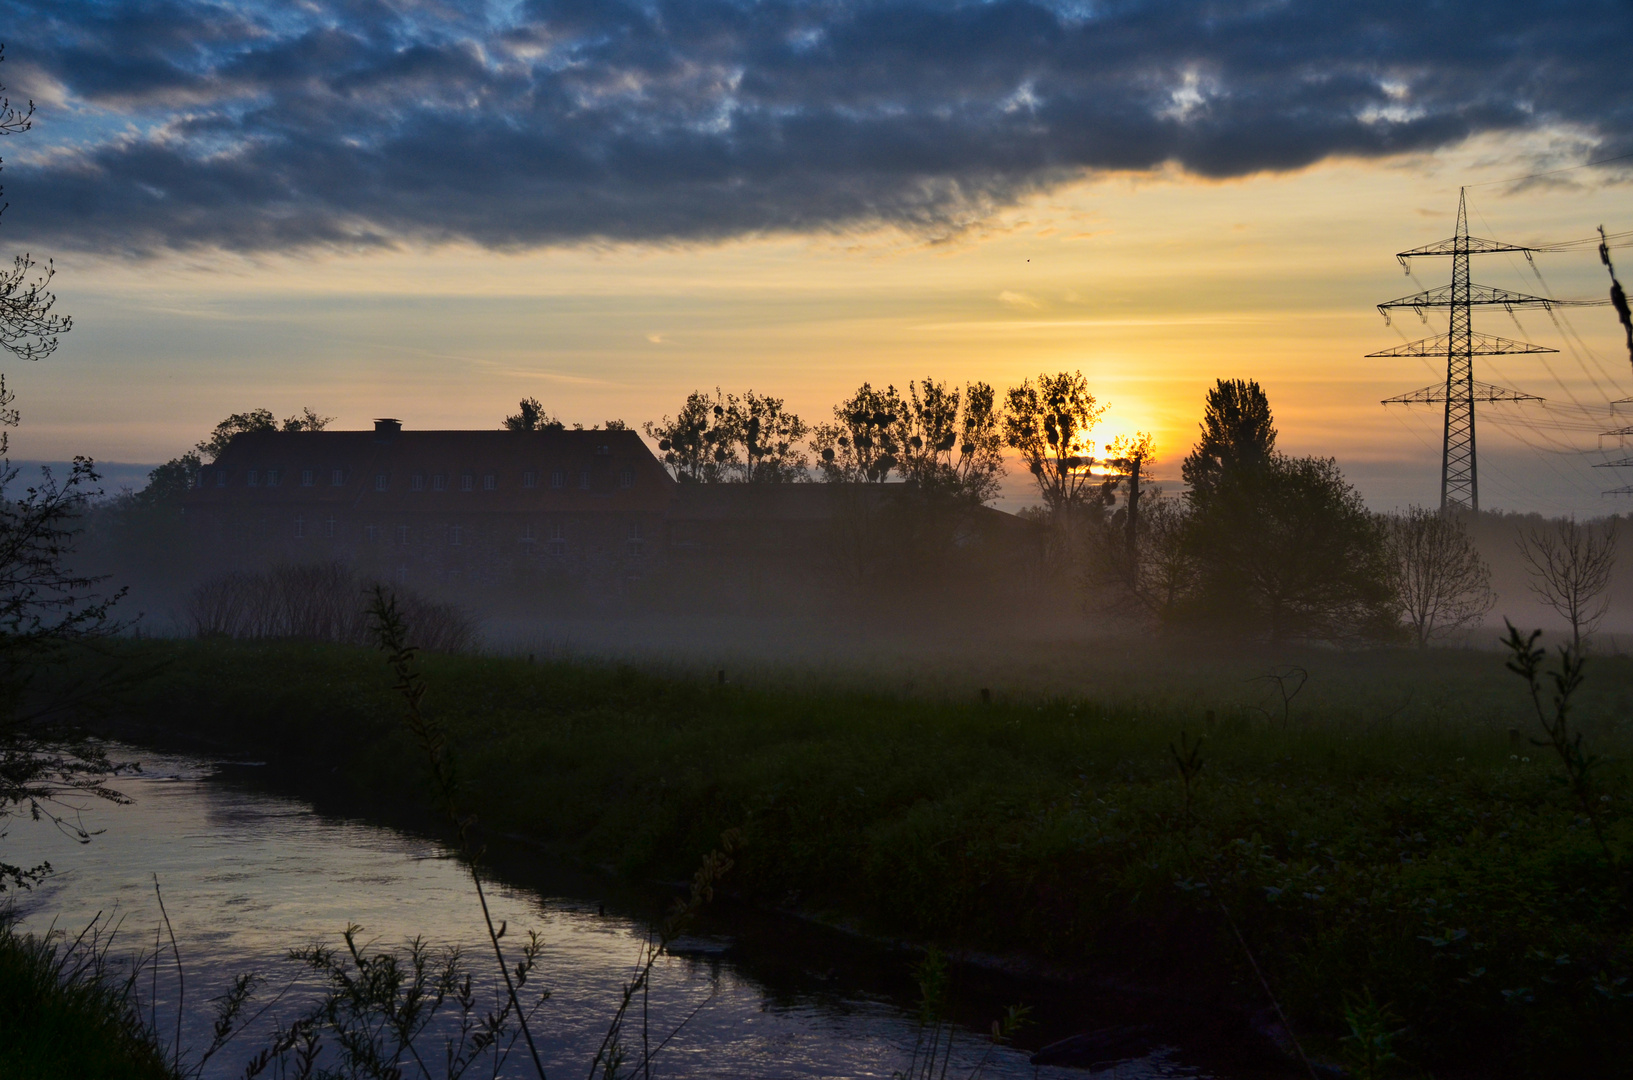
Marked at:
<point>866,439</point>
<point>1570,566</point>
<point>530,416</point>
<point>1237,434</point>
<point>1049,422</point>
<point>1440,581</point>
<point>29,329</point>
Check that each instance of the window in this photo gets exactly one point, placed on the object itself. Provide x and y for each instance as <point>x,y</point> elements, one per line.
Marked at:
<point>527,535</point>
<point>626,477</point>
<point>337,477</point>
<point>466,482</point>
<point>308,477</point>
<point>402,535</point>
<point>253,477</point>
<point>272,478</point>
<point>439,482</point>
<point>300,527</point>
<point>221,478</point>
<point>558,540</point>
<point>490,482</point>
<point>416,482</point>
<point>558,479</point>
<point>603,451</point>
<point>530,479</point>
<point>380,481</point>
<point>584,479</point>
<point>371,533</point>
<point>329,528</point>
<point>637,543</point>
<point>198,480</point>
<point>456,535</point>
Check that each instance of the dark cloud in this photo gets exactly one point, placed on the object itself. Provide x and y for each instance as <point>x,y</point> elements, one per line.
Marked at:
<point>252,127</point>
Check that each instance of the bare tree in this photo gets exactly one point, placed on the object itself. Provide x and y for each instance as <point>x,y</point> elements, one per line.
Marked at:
<point>1570,567</point>
<point>28,328</point>
<point>1441,582</point>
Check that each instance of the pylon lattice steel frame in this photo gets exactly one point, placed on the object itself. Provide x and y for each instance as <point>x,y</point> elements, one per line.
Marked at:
<point>1459,475</point>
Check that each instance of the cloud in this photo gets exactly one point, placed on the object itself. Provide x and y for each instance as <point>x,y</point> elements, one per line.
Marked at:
<point>258,126</point>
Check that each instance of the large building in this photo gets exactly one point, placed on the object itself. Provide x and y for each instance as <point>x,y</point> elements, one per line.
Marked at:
<point>437,509</point>
<point>590,514</point>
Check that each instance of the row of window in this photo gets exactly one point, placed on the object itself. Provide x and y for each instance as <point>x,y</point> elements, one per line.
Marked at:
<point>555,535</point>
<point>416,481</point>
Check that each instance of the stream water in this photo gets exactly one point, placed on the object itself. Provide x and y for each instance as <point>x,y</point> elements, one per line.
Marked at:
<point>246,875</point>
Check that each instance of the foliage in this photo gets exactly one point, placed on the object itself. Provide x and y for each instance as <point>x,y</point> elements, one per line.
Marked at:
<point>769,438</point>
<point>255,420</point>
<point>1373,1030</point>
<point>49,614</point>
<point>1288,549</point>
<point>63,1013</point>
<point>1440,581</point>
<point>954,443</point>
<point>866,439</point>
<point>1356,845</point>
<point>697,445</point>
<point>1049,422</point>
<point>530,416</point>
<point>1570,567</point>
<point>1525,660</point>
<point>317,602</point>
<point>1238,435</point>
<point>29,329</point>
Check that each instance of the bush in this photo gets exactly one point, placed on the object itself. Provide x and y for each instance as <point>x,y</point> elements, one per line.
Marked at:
<point>316,602</point>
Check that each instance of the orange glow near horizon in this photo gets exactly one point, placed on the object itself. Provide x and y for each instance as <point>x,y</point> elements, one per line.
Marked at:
<point>1152,286</point>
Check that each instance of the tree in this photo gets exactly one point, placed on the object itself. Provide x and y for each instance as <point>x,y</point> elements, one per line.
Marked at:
<point>698,445</point>
<point>1440,581</point>
<point>1131,456</point>
<point>1049,422</point>
<point>530,416</point>
<point>256,420</point>
<point>954,443</point>
<point>47,613</point>
<point>1570,567</point>
<point>866,439</point>
<point>1286,548</point>
<point>769,437</point>
<point>1237,434</point>
<point>29,329</point>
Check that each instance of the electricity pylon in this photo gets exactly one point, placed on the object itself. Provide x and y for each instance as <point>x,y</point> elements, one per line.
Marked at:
<point>1459,478</point>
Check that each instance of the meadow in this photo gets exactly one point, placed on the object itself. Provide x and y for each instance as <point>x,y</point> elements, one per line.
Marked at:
<point>1372,840</point>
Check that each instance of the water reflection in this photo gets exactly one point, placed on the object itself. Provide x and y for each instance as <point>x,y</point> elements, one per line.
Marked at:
<point>246,876</point>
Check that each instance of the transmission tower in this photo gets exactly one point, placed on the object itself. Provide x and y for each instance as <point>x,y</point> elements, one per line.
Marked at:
<point>1459,478</point>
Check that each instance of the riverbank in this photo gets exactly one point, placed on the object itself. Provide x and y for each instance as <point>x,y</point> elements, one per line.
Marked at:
<point>60,1017</point>
<point>1429,856</point>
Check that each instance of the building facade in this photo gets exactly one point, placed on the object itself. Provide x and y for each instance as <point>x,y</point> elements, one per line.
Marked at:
<point>438,510</point>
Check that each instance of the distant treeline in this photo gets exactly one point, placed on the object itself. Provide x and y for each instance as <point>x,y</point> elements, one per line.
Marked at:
<point>1259,543</point>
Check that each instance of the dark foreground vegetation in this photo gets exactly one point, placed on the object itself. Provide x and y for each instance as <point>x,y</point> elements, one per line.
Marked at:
<point>1391,835</point>
<point>61,1015</point>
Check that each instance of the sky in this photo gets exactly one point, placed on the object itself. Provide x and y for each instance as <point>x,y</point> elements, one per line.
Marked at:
<point>428,210</point>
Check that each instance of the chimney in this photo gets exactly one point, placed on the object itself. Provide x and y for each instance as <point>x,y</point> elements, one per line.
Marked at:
<point>386,429</point>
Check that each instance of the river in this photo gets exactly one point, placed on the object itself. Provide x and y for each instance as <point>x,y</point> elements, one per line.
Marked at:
<point>246,875</point>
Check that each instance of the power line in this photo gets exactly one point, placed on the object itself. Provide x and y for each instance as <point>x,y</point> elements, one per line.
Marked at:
<point>1552,172</point>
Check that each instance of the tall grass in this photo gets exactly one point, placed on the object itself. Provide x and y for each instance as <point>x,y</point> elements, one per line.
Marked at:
<point>317,602</point>
<point>65,1013</point>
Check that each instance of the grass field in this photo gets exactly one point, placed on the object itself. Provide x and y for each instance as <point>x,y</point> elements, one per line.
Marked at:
<point>1391,831</point>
